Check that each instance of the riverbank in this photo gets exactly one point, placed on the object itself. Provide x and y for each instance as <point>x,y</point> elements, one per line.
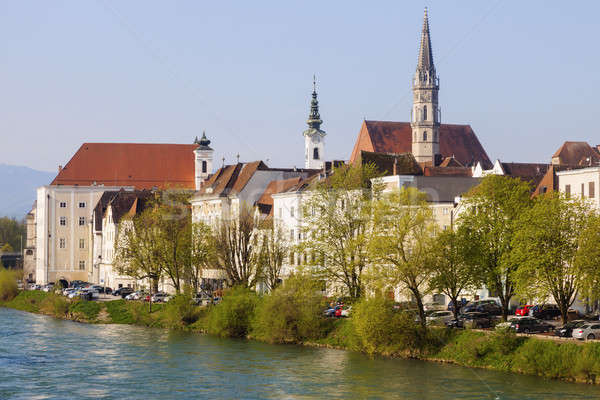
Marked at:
<point>499,351</point>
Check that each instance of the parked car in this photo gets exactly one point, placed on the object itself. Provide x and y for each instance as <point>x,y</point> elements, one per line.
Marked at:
<point>523,311</point>
<point>461,304</point>
<point>529,325</point>
<point>567,329</point>
<point>48,287</point>
<point>439,318</point>
<point>123,292</point>
<point>433,307</point>
<point>158,297</point>
<point>346,311</point>
<point>546,311</point>
<point>472,319</point>
<point>488,306</point>
<point>587,331</point>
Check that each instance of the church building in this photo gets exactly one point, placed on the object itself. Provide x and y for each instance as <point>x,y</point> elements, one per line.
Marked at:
<point>434,145</point>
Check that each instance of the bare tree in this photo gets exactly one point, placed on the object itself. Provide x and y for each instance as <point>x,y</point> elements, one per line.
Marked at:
<point>273,250</point>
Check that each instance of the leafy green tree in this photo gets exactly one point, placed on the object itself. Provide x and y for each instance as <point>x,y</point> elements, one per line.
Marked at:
<point>402,239</point>
<point>488,225</point>
<point>546,246</point>
<point>336,218</point>
<point>202,255</point>
<point>6,248</point>
<point>587,258</point>
<point>450,273</point>
<point>12,232</point>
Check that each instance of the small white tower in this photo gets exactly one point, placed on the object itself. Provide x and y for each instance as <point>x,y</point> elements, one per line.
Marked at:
<point>203,160</point>
<point>314,137</point>
<point>425,119</point>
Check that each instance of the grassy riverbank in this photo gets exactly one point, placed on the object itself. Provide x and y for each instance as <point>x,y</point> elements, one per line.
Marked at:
<point>374,329</point>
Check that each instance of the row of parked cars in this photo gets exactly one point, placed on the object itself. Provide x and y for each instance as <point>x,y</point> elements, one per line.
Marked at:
<point>158,297</point>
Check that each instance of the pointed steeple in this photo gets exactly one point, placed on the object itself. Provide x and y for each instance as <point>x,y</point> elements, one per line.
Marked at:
<point>425,65</point>
<point>314,119</point>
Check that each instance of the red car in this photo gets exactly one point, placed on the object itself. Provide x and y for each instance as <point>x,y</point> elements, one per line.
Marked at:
<point>523,310</point>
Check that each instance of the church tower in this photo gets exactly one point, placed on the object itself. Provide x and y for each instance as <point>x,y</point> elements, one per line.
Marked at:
<point>203,156</point>
<point>314,137</point>
<point>425,115</point>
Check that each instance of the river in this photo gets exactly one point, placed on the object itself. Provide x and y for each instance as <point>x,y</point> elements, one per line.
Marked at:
<point>46,358</point>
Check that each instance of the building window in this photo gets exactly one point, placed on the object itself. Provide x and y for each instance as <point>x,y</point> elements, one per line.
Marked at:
<point>82,265</point>
<point>204,167</point>
<point>424,113</point>
<point>63,221</point>
<point>81,221</point>
<point>82,204</point>
<point>591,190</point>
<point>582,190</point>
<point>291,234</point>
<point>568,190</point>
<point>62,243</point>
<point>63,204</point>
<point>292,212</point>
<point>316,153</point>
<point>82,243</point>
<point>424,136</point>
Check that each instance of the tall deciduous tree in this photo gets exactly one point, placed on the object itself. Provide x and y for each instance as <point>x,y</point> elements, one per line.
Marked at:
<point>273,250</point>
<point>546,247</point>
<point>450,273</point>
<point>336,219</point>
<point>488,225</point>
<point>12,232</point>
<point>587,258</point>
<point>402,239</point>
<point>237,248</point>
<point>203,255</point>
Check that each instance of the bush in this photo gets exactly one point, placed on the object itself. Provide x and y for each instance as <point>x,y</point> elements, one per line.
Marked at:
<point>55,305</point>
<point>8,285</point>
<point>180,311</point>
<point>381,329</point>
<point>587,366</point>
<point>118,312</point>
<point>291,313</point>
<point>232,316</point>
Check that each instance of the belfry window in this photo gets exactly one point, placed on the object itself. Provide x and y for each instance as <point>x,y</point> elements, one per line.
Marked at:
<point>204,167</point>
<point>316,153</point>
<point>424,136</point>
<point>424,113</point>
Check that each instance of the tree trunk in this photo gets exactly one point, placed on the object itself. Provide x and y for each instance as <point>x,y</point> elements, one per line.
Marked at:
<point>454,301</point>
<point>564,312</point>
<point>419,306</point>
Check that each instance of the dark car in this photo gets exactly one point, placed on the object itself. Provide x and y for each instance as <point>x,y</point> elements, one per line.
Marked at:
<point>567,329</point>
<point>461,304</point>
<point>529,325</point>
<point>472,319</point>
<point>483,306</point>
<point>546,311</point>
<point>123,291</point>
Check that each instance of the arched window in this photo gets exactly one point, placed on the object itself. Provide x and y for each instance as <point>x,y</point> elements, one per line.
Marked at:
<point>424,113</point>
<point>204,166</point>
<point>316,153</point>
<point>424,136</point>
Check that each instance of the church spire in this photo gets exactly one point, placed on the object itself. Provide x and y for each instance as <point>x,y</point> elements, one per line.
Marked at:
<point>425,67</point>
<point>314,119</point>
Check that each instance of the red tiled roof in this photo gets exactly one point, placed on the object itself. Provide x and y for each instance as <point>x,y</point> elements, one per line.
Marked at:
<point>576,153</point>
<point>265,203</point>
<point>396,137</point>
<point>140,165</point>
<point>528,172</point>
<point>447,171</point>
<point>231,178</point>
<point>451,162</point>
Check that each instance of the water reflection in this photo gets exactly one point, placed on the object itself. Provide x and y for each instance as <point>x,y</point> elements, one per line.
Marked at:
<point>44,358</point>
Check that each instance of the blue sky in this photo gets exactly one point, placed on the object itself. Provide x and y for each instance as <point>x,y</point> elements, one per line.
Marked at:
<point>522,74</point>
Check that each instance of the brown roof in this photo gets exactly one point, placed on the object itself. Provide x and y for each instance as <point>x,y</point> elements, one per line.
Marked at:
<point>128,203</point>
<point>447,171</point>
<point>528,172</point>
<point>576,153</point>
<point>405,164</point>
<point>451,162</point>
<point>265,203</point>
<point>396,137</point>
<point>231,179</point>
<point>142,166</point>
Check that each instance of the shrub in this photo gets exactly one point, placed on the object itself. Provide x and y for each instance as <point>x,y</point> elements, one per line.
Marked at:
<point>381,329</point>
<point>180,311</point>
<point>55,305</point>
<point>291,313</point>
<point>587,365</point>
<point>8,285</point>
<point>119,312</point>
<point>232,316</point>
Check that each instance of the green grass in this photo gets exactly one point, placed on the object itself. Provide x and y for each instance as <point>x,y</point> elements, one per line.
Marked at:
<point>27,300</point>
<point>118,312</point>
<point>88,309</point>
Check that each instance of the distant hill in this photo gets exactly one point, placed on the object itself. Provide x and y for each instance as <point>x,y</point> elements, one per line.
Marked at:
<point>18,189</point>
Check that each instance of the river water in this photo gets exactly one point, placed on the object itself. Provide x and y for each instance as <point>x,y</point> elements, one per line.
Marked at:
<point>45,358</point>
